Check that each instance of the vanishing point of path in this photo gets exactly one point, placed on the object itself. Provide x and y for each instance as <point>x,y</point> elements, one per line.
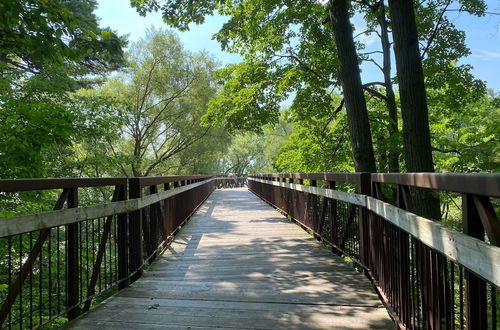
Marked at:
<point>239,264</point>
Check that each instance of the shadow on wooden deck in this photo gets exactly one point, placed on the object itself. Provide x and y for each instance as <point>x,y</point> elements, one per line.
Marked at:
<point>239,264</point>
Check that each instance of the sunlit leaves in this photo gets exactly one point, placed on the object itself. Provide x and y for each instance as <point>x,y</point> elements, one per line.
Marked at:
<point>248,99</point>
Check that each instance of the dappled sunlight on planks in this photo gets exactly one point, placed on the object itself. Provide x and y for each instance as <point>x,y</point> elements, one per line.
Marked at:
<point>239,264</point>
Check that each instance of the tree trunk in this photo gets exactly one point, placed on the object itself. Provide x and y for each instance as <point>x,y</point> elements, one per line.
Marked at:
<point>390,101</point>
<point>355,103</point>
<point>416,133</point>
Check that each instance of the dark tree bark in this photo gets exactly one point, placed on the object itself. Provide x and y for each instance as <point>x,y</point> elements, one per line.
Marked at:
<point>390,100</point>
<point>355,103</point>
<point>416,132</point>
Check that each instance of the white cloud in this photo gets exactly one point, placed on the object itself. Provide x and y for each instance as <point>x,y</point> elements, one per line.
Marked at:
<point>485,54</point>
<point>368,38</point>
<point>490,54</point>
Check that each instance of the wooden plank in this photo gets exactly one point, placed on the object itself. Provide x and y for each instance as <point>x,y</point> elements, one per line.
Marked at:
<point>243,318</point>
<point>240,264</point>
<point>468,251</point>
<point>264,277</point>
<point>476,255</point>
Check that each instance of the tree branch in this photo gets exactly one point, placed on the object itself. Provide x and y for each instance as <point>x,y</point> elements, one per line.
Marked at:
<point>374,83</point>
<point>143,131</point>
<point>375,93</point>
<point>473,12</point>
<point>172,151</point>
<point>116,155</point>
<point>448,151</point>
<point>436,28</point>
<point>335,112</point>
<point>372,52</point>
<point>374,62</point>
<point>305,66</point>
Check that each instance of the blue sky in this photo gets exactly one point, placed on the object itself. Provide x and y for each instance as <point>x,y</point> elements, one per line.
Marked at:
<point>483,36</point>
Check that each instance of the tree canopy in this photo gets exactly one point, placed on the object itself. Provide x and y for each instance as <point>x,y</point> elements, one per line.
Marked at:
<point>163,105</point>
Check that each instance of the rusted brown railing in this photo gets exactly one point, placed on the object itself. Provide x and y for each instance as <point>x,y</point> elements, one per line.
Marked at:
<point>230,181</point>
<point>53,264</point>
<point>429,276</point>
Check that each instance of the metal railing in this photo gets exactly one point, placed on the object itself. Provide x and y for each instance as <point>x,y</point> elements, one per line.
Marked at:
<point>230,181</point>
<point>54,264</point>
<point>428,276</point>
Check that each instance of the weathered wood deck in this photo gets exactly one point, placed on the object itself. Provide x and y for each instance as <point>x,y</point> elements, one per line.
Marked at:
<point>239,264</point>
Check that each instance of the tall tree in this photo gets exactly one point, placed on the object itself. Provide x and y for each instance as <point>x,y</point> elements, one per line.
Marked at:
<point>390,97</point>
<point>163,94</point>
<point>416,131</point>
<point>287,51</point>
<point>48,49</point>
<point>352,87</point>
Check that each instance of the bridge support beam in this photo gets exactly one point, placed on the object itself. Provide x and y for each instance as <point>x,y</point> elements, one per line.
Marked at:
<point>72,277</point>
<point>123,246</point>
<point>134,232</point>
<point>475,288</point>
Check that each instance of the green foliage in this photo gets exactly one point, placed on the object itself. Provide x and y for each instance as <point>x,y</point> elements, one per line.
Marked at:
<point>443,46</point>
<point>254,153</point>
<point>178,13</point>
<point>48,50</point>
<point>37,33</point>
<point>248,100</point>
<point>318,144</point>
<point>160,98</point>
<point>467,140</point>
<point>27,130</point>
<point>289,54</point>
<point>285,47</point>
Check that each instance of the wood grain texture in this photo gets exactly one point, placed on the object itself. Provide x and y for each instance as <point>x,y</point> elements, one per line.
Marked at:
<point>239,264</point>
<point>472,253</point>
<point>28,223</point>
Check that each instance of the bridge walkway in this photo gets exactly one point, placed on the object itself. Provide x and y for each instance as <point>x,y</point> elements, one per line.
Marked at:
<point>239,264</point>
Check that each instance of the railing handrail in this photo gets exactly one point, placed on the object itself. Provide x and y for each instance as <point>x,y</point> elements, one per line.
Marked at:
<point>27,223</point>
<point>82,251</point>
<point>19,185</point>
<point>155,180</point>
<point>468,251</point>
<point>428,276</point>
<point>481,184</point>
<point>347,177</point>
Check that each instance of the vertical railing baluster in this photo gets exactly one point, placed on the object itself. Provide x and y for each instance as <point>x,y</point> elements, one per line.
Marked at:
<point>475,288</point>
<point>135,237</point>
<point>72,280</point>
<point>313,202</point>
<point>123,243</point>
<point>333,218</point>
<point>154,223</point>
<point>364,188</point>
<point>404,202</point>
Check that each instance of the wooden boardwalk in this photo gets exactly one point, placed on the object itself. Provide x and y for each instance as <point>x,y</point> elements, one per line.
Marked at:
<point>239,264</point>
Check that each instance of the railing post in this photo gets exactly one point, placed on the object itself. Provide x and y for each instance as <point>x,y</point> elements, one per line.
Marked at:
<point>73,292</point>
<point>404,202</point>
<point>154,223</point>
<point>364,188</point>
<point>333,219</point>
<point>135,239</point>
<point>314,221</point>
<point>475,288</point>
<point>123,249</point>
